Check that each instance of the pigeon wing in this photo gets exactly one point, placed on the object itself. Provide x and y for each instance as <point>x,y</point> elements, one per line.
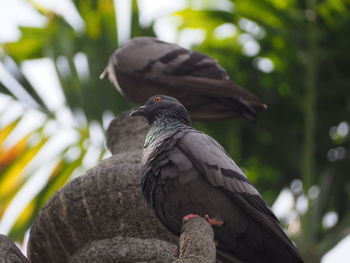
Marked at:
<point>166,68</point>
<point>158,61</point>
<point>221,171</point>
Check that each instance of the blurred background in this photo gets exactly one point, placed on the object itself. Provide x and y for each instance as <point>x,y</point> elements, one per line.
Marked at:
<point>295,55</point>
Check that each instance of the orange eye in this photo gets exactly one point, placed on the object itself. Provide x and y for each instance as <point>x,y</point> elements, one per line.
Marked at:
<point>157,99</point>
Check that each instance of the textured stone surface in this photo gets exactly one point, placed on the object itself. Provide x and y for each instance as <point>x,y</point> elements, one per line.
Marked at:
<point>125,249</point>
<point>196,246</point>
<point>126,133</point>
<point>9,252</point>
<point>104,203</point>
<point>197,242</point>
<point>101,216</point>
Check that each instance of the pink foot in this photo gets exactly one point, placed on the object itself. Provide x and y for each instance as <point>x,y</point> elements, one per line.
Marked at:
<point>188,217</point>
<point>176,252</point>
<point>213,221</point>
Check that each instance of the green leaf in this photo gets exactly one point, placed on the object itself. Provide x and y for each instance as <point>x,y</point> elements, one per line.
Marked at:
<point>17,74</point>
<point>204,19</point>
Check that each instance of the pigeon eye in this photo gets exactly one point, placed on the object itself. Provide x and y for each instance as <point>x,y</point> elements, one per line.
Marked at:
<point>157,99</point>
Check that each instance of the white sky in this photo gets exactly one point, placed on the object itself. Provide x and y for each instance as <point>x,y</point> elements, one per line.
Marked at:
<point>40,72</point>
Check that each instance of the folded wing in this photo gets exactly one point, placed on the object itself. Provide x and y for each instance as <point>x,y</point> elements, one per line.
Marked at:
<point>221,171</point>
<point>145,66</point>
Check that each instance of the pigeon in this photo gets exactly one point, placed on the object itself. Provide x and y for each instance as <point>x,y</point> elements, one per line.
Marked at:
<point>146,66</point>
<point>185,171</point>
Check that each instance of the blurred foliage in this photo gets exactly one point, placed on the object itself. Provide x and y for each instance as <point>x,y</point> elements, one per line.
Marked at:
<point>293,54</point>
<point>62,43</point>
<point>305,131</point>
<point>86,97</point>
<point>17,168</point>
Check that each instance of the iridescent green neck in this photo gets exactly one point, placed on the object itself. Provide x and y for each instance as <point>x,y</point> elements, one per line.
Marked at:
<point>159,127</point>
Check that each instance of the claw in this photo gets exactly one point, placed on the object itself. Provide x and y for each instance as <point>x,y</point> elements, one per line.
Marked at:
<point>216,242</point>
<point>176,252</point>
<point>213,221</point>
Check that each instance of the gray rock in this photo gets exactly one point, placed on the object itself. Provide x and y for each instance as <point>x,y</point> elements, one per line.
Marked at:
<point>9,252</point>
<point>197,242</point>
<point>104,203</point>
<point>125,249</point>
<point>126,134</point>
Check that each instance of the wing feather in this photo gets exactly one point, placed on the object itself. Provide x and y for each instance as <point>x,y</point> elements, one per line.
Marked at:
<point>166,68</point>
<point>221,171</point>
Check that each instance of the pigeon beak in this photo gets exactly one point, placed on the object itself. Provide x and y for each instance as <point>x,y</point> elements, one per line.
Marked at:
<point>138,111</point>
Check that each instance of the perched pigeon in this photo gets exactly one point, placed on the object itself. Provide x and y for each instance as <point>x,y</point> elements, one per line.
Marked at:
<point>146,66</point>
<point>187,172</point>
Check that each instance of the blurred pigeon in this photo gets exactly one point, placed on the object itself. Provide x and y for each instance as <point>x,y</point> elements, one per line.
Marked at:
<point>185,171</point>
<point>146,66</point>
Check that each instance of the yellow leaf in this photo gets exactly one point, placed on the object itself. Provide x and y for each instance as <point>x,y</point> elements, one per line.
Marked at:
<point>7,156</point>
<point>14,177</point>
<point>7,130</point>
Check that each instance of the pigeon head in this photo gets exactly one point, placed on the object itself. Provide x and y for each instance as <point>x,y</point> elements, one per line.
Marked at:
<point>161,107</point>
